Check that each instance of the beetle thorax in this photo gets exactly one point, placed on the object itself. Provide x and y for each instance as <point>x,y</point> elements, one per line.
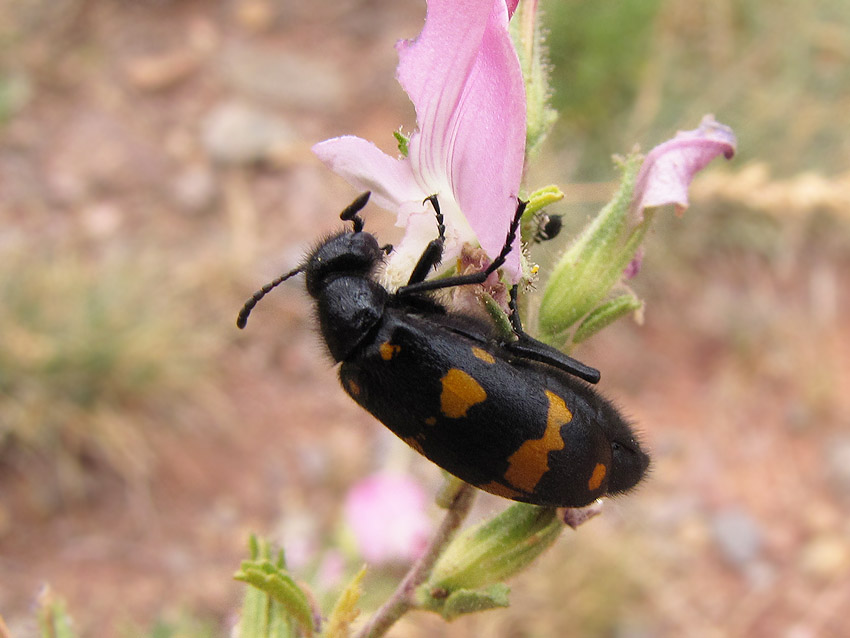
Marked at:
<point>349,306</point>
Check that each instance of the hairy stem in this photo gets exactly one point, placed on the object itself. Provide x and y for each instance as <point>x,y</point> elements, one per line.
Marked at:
<point>401,600</point>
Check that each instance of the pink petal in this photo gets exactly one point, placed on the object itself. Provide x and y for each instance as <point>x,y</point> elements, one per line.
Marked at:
<point>386,512</point>
<point>464,79</point>
<point>669,168</point>
<point>366,167</point>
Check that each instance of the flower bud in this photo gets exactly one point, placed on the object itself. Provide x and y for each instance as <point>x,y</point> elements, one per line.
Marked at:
<point>485,555</point>
<point>594,264</point>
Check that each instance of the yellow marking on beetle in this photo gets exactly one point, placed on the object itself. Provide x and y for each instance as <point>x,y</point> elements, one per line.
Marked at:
<point>353,387</point>
<point>415,444</point>
<point>431,420</point>
<point>530,462</point>
<point>500,490</point>
<point>388,350</point>
<point>597,477</point>
<point>483,355</point>
<point>460,392</point>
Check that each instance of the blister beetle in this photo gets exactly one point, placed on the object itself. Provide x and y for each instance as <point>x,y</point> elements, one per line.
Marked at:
<point>514,417</point>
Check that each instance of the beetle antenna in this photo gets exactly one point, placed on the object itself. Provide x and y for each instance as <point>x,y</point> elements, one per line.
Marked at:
<point>350,212</point>
<point>242,319</point>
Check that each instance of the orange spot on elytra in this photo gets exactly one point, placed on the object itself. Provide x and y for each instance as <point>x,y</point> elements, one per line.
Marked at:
<point>353,387</point>
<point>388,350</point>
<point>597,477</point>
<point>460,392</point>
<point>530,462</point>
<point>483,355</point>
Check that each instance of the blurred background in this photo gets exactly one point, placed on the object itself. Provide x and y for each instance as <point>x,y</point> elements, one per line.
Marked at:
<point>155,170</point>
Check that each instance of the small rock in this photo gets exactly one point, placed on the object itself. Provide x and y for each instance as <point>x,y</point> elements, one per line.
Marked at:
<point>159,72</point>
<point>737,535</point>
<point>194,189</point>
<point>288,79</point>
<point>238,133</point>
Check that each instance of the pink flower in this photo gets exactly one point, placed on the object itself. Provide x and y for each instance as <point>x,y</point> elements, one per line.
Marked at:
<point>669,168</point>
<point>386,512</point>
<point>464,79</point>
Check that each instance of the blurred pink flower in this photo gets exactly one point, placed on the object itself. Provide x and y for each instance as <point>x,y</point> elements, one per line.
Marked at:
<point>464,79</point>
<point>386,512</point>
<point>669,168</point>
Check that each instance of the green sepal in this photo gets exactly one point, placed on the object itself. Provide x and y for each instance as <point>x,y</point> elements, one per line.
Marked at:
<point>594,263</point>
<point>496,549</point>
<point>403,143</point>
<point>275,606</point>
<point>345,610</point>
<point>464,601</point>
<point>606,314</point>
<point>533,59</point>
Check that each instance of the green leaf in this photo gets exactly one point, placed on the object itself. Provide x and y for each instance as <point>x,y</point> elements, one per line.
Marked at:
<point>465,601</point>
<point>606,314</point>
<point>263,617</point>
<point>53,618</point>
<point>275,606</point>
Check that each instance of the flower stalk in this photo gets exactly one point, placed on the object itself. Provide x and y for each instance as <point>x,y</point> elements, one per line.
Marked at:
<point>402,600</point>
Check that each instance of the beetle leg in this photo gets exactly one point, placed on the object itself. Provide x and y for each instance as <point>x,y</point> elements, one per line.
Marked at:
<point>433,252</point>
<point>414,287</point>
<point>516,322</point>
<point>528,347</point>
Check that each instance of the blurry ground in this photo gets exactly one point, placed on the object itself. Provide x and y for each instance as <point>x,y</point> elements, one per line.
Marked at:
<point>155,170</point>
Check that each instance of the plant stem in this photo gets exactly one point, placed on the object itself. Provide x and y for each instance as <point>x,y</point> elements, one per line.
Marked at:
<point>401,600</point>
